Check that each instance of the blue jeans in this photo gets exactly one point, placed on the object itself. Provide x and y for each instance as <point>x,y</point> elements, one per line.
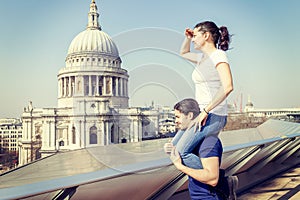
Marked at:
<point>187,140</point>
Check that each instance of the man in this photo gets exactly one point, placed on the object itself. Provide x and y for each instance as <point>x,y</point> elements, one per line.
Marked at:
<point>204,172</point>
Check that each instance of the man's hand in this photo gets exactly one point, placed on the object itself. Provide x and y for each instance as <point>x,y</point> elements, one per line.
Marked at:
<point>175,158</point>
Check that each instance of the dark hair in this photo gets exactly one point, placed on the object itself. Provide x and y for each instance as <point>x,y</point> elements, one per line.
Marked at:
<point>188,105</point>
<point>220,35</point>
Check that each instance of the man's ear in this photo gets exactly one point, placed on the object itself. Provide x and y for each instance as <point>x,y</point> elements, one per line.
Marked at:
<point>190,115</point>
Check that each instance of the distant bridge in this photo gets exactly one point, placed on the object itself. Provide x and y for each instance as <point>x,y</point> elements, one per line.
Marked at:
<point>273,112</point>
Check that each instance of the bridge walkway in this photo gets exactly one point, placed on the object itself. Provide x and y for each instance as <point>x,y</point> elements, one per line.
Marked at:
<point>255,155</point>
<point>284,186</point>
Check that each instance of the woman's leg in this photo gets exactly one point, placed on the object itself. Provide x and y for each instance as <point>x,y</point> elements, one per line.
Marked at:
<point>177,137</point>
<point>191,139</point>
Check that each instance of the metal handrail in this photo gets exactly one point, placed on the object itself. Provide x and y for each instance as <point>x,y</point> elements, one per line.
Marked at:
<point>259,142</point>
<point>33,189</point>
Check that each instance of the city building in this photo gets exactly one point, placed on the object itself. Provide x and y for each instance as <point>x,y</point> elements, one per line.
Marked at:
<point>92,101</point>
<point>167,124</point>
<point>10,133</point>
<point>281,113</point>
<point>252,117</point>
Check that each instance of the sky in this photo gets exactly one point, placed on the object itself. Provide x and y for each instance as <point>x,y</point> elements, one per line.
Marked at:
<point>36,34</point>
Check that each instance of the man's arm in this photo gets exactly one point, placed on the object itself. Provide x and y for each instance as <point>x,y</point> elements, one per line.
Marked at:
<point>208,175</point>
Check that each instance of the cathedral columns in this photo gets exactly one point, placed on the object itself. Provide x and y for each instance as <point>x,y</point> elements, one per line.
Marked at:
<point>106,132</point>
<point>97,85</point>
<point>126,88</point>
<point>107,85</point>
<point>72,86</point>
<point>59,88</point>
<point>69,87</point>
<point>104,85</point>
<point>117,86</point>
<point>135,131</point>
<point>90,85</point>
<point>121,87</point>
<point>75,86</point>
<point>82,85</point>
<point>52,133</point>
<point>110,85</point>
<point>46,136</point>
<point>64,87</point>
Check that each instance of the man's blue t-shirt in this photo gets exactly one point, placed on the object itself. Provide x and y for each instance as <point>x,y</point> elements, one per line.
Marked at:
<point>211,146</point>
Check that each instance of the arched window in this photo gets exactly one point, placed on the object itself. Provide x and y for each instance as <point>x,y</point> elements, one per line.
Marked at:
<point>93,135</point>
<point>61,143</point>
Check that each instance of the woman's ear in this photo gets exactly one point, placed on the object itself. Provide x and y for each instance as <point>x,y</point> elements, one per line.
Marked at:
<point>206,35</point>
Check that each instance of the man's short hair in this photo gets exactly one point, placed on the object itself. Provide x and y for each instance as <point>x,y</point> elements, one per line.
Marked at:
<point>188,105</point>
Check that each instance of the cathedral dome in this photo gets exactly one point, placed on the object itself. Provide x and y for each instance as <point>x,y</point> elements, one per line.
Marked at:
<point>93,40</point>
<point>93,71</point>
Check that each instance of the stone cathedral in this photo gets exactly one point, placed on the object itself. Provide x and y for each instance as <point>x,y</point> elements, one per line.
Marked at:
<point>92,101</point>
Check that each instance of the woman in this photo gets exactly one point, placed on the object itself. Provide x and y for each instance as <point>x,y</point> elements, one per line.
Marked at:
<point>213,83</point>
<point>212,75</point>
